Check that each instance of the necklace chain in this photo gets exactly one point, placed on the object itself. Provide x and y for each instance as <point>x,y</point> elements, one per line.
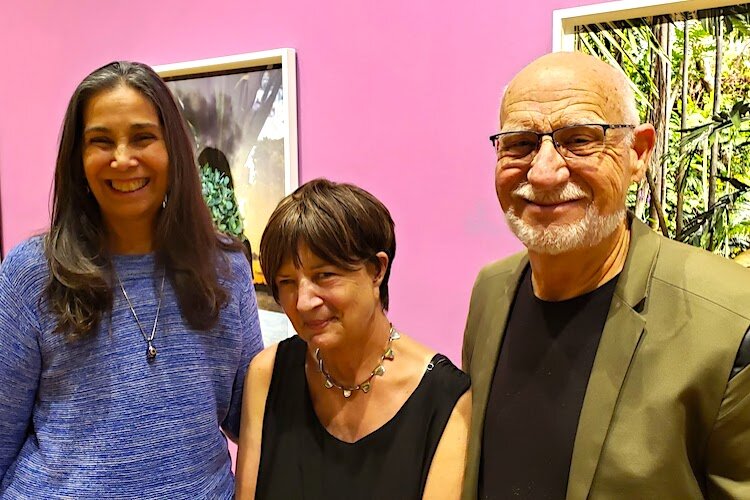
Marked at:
<point>366,384</point>
<point>150,349</point>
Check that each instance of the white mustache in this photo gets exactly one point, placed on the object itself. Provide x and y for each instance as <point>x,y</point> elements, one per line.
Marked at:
<point>568,192</point>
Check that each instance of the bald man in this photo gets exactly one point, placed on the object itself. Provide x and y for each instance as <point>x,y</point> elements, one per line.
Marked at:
<point>606,361</point>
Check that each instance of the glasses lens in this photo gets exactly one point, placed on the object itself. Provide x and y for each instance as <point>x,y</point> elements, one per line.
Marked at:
<point>516,144</point>
<point>580,140</point>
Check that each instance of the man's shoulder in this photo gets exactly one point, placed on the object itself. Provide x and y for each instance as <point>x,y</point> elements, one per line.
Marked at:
<point>703,276</point>
<point>500,270</point>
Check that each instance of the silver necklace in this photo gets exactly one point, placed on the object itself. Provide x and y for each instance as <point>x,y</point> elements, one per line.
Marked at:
<point>150,349</point>
<point>365,385</point>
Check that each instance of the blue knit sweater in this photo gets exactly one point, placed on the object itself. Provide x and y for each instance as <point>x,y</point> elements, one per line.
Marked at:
<point>93,418</point>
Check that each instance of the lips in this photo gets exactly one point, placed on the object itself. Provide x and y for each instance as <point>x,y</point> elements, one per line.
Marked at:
<point>128,185</point>
<point>316,325</point>
<point>551,203</point>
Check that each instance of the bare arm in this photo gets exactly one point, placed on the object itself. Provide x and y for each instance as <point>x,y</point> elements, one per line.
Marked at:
<point>257,383</point>
<point>446,475</point>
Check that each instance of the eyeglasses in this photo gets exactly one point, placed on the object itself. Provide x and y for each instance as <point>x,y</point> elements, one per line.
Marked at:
<point>574,141</point>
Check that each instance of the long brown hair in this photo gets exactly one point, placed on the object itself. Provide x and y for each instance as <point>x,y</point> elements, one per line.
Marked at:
<point>185,241</point>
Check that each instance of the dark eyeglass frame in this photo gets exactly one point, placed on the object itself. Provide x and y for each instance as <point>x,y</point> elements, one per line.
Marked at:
<point>539,136</point>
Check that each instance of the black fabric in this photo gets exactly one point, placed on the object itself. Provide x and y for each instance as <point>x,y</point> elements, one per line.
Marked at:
<point>301,460</point>
<point>743,356</point>
<point>537,393</point>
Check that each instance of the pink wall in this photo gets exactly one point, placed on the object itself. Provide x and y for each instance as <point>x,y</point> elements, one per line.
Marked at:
<point>397,96</point>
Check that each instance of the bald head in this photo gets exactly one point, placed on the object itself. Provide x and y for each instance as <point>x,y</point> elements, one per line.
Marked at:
<point>562,75</point>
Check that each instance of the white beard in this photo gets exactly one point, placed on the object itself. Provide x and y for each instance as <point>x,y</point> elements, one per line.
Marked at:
<point>560,238</point>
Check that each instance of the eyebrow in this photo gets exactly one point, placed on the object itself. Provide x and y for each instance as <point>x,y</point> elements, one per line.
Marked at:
<point>134,126</point>
<point>97,128</point>
<point>318,266</point>
<point>144,125</point>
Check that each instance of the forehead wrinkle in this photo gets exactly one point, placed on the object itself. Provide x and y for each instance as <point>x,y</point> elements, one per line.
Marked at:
<point>548,120</point>
<point>552,108</point>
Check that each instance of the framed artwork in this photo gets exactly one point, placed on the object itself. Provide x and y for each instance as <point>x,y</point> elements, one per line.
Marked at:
<point>684,59</point>
<point>241,112</point>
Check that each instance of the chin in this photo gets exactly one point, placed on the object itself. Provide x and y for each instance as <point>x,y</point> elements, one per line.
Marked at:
<point>557,238</point>
<point>322,341</point>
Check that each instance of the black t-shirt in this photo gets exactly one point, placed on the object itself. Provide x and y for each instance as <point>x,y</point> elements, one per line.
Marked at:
<point>537,393</point>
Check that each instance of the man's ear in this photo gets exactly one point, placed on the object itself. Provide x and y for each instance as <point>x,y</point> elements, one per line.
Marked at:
<point>380,272</point>
<point>641,149</point>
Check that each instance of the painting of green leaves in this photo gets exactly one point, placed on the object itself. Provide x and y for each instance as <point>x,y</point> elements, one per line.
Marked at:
<point>237,124</point>
<point>691,76</point>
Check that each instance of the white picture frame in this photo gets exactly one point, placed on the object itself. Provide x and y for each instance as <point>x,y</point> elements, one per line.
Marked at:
<point>564,21</point>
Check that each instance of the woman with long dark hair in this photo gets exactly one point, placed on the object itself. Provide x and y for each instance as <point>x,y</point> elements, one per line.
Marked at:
<point>126,329</point>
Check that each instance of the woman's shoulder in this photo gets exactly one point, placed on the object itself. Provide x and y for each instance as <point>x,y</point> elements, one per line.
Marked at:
<point>439,364</point>
<point>281,358</point>
<point>291,349</point>
<point>444,385</point>
<point>238,267</point>
<point>444,368</point>
<point>263,362</point>
<point>26,263</point>
<point>440,377</point>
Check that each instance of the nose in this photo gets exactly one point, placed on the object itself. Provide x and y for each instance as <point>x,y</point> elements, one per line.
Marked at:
<point>548,168</point>
<point>307,296</point>
<point>123,158</point>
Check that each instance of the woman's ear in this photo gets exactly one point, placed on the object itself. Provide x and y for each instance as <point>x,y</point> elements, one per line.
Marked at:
<point>383,265</point>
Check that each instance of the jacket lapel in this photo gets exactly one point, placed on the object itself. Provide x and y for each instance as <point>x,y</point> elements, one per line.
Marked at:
<point>489,338</point>
<point>488,346</point>
<point>619,341</point>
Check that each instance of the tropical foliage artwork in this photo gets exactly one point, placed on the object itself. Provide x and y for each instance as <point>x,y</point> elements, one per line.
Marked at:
<point>237,125</point>
<point>691,74</point>
<point>219,196</point>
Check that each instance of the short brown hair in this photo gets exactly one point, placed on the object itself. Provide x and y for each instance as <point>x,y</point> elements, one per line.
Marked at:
<point>340,223</point>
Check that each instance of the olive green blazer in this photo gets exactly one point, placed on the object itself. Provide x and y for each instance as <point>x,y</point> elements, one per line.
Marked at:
<point>661,418</point>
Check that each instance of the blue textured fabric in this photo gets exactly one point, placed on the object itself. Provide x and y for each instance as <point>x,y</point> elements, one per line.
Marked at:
<point>93,418</point>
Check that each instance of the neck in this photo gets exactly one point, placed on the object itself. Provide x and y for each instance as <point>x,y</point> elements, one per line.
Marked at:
<point>574,273</point>
<point>130,237</point>
<point>350,364</point>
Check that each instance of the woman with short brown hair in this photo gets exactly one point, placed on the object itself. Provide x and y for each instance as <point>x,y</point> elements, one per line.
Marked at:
<point>350,407</point>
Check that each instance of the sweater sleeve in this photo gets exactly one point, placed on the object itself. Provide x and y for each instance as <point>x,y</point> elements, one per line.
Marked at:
<point>20,367</point>
<point>252,344</point>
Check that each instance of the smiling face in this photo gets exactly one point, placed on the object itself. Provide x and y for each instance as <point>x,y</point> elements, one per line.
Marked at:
<point>553,204</point>
<point>125,157</point>
<point>327,305</point>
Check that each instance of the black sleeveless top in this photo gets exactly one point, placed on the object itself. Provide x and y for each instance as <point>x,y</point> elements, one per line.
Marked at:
<point>299,459</point>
